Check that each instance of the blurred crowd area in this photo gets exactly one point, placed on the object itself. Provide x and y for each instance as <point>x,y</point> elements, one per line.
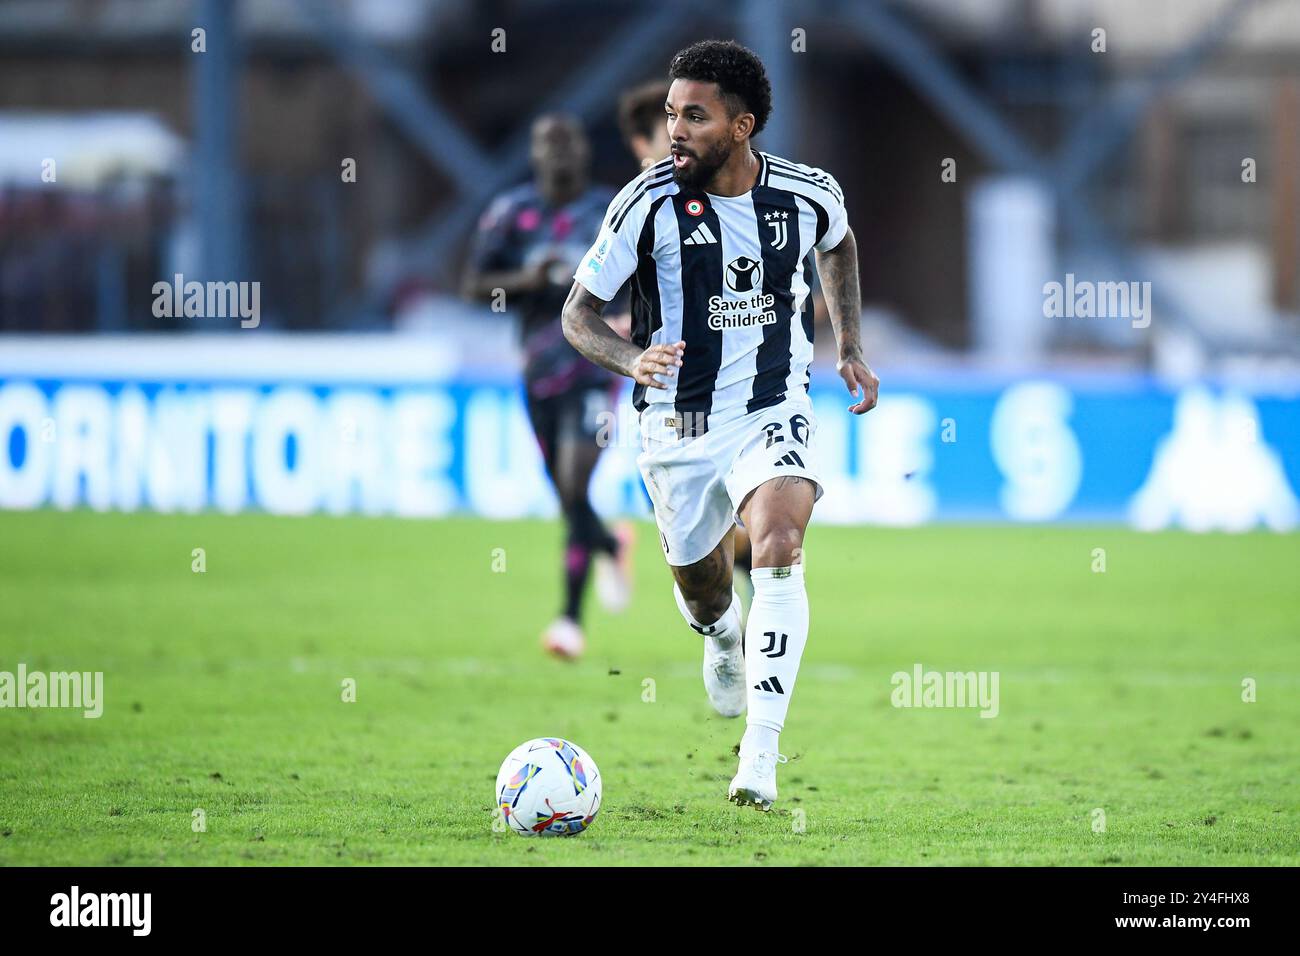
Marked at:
<point>1120,163</point>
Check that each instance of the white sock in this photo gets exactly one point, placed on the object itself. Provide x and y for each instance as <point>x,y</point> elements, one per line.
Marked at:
<point>725,631</point>
<point>775,635</point>
<point>759,738</point>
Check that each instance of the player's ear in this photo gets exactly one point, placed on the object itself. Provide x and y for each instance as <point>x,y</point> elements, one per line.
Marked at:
<point>744,126</point>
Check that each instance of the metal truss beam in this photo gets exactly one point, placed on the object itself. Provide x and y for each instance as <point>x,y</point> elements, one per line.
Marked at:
<point>1089,142</point>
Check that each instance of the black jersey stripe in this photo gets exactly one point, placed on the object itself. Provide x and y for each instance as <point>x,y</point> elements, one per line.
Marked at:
<point>616,220</point>
<point>816,175</point>
<point>823,217</point>
<point>833,191</point>
<point>780,174</point>
<point>809,270</point>
<point>647,311</point>
<point>781,167</point>
<point>701,277</point>
<point>637,185</point>
<point>777,216</point>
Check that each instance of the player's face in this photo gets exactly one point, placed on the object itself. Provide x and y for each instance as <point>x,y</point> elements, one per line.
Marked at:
<point>558,150</point>
<point>649,150</point>
<point>702,133</point>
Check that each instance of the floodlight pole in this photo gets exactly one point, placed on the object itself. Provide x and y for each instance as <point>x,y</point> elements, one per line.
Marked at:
<point>214,163</point>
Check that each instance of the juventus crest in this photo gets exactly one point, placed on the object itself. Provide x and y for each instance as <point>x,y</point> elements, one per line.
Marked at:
<point>776,221</point>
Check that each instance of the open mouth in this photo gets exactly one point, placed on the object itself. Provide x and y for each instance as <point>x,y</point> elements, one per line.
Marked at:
<point>680,159</point>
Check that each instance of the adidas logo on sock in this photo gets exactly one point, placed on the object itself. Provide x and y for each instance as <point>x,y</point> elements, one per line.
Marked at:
<point>702,236</point>
<point>791,459</point>
<point>771,685</point>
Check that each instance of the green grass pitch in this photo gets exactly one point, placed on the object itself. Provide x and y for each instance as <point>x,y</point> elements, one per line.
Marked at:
<point>1119,691</point>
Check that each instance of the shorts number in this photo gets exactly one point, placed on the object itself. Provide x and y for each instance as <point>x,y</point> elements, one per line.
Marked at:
<point>798,431</point>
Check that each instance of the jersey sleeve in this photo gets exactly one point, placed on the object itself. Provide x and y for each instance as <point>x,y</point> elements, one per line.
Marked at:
<point>837,219</point>
<point>490,249</point>
<point>612,258</point>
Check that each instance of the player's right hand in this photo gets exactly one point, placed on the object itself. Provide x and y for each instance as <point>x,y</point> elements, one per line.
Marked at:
<point>658,360</point>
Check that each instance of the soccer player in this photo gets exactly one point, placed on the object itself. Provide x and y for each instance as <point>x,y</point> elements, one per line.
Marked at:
<point>714,239</point>
<point>641,121</point>
<point>527,244</point>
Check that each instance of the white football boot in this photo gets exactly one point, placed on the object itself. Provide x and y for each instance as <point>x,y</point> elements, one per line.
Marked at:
<point>564,639</point>
<point>755,782</point>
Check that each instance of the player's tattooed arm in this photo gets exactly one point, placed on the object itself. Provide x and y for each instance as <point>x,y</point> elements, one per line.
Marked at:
<point>589,333</point>
<point>839,274</point>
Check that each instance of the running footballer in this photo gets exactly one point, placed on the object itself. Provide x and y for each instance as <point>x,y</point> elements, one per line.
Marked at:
<point>714,239</point>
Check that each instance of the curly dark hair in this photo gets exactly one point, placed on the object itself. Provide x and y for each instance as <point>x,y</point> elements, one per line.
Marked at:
<point>737,70</point>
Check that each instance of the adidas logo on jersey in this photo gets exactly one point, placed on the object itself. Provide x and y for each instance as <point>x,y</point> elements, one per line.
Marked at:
<point>702,236</point>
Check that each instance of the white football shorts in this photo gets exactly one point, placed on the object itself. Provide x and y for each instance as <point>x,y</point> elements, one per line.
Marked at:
<point>697,485</point>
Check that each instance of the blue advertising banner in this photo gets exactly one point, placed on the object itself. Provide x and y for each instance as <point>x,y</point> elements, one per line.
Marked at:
<point>955,447</point>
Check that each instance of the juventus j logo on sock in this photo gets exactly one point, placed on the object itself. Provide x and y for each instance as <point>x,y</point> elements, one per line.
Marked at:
<point>771,644</point>
<point>771,685</point>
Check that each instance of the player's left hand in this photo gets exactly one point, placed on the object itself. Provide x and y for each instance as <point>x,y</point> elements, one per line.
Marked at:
<point>857,375</point>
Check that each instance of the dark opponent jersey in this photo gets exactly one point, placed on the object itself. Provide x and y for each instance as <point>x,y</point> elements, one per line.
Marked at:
<point>520,229</point>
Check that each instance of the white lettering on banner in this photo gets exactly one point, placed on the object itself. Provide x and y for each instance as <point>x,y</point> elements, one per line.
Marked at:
<point>83,423</point>
<point>1214,471</point>
<point>178,450</point>
<point>356,479</point>
<point>296,449</point>
<point>132,427</point>
<point>354,450</point>
<point>232,419</point>
<point>1036,450</point>
<point>287,415</point>
<point>505,476</point>
<point>23,483</point>
<point>423,453</point>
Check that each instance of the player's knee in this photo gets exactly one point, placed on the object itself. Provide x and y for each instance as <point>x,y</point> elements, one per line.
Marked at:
<point>710,609</point>
<point>570,499</point>
<point>706,603</point>
<point>572,496</point>
<point>777,546</point>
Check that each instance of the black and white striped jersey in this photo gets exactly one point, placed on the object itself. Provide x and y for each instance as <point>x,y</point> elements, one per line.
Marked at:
<point>728,275</point>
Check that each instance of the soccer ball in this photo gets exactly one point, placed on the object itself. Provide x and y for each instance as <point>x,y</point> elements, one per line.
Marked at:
<point>548,787</point>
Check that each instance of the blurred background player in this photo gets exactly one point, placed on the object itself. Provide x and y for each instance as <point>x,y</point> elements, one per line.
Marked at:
<point>644,126</point>
<point>528,243</point>
<point>641,121</point>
